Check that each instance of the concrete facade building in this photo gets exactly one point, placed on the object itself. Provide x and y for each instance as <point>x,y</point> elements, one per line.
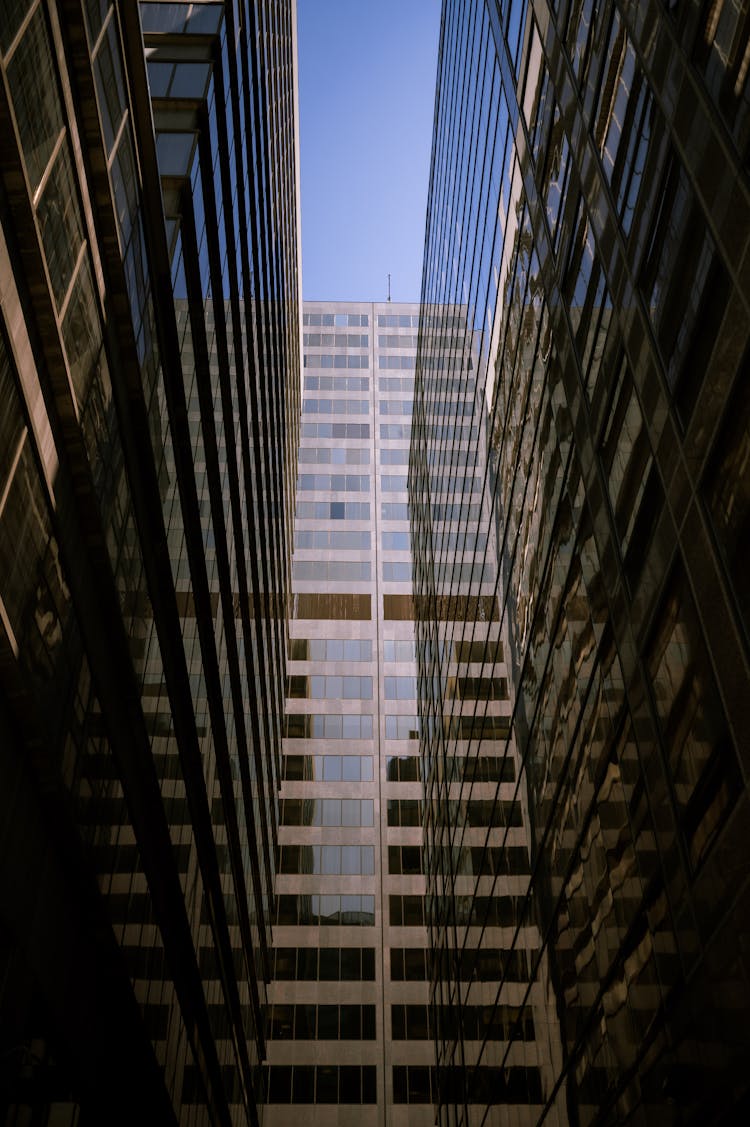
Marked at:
<point>349,997</point>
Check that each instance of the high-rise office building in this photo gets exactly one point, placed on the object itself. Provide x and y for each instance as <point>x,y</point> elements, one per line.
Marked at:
<point>348,1017</point>
<point>589,224</point>
<point>149,403</point>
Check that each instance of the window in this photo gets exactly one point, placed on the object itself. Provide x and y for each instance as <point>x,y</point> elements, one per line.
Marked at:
<point>406,911</point>
<point>344,570</point>
<point>327,860</point>
<point>335,430</point>
<point>331,605</point>
<point>402,727</point>
<point>326,812</point>
<point>333,510</point>
<point>393,483</point>
<point>410,1023</point>
<point>335,407</point>
<point>391,510</point>
<point>403,768</point>
<point>700,751</point>
<point>331,649</point>
<point>331,1084</point>
<point>727,492</point>
<point>408,964</point>
<point>397,572</point>
<point>400,688</point>
<point>334,483</point>
<point>331,910</point>
<point>340,688</point>
<point>304,726</point>
<point>337,455</point>
<point>345,964</point>
<point>404,812</point>
<point>405,860</point>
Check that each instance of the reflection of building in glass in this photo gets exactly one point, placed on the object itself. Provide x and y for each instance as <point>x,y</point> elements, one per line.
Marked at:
<point>149,394</point>
<point>587,236</point>
<point>349,1019</point>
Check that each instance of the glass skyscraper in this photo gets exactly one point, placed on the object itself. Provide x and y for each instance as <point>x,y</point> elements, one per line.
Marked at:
<point>149,415</point>
<point>588,223</point>
<point>374,677</point>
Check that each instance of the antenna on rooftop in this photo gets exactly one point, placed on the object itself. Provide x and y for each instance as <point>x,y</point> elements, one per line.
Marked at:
<point>389,287</point>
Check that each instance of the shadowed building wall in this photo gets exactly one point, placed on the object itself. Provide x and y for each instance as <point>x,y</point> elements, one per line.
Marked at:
<point>588,214</point>
<point>149,359</point>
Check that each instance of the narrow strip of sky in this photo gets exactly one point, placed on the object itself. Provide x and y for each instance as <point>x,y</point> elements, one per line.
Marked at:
<point>366,92</point>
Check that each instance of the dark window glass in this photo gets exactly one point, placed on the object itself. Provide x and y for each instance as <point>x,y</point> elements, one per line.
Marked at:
<point>328,1022</point>
<point>368,1023</point>
<point>351,1023</point>
<point>368,964</point>
<point>280,1084</point>
<point>326,1084</point>
<point>350,1084</point>
<point>350,964</point>
<point>303,1084</point>
<point>329,964</point>
<point>700,752</point>
<point>368,1084</point>
<point>728,493</point>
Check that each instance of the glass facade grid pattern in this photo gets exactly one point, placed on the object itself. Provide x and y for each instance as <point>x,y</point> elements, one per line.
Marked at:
<point>577,246</point>
<point>145,536</point>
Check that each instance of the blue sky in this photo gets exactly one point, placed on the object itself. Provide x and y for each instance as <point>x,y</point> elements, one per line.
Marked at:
<point>367,92</point>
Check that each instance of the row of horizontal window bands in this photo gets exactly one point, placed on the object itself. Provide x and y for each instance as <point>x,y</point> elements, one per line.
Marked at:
<point>324,964</point>
<point>477,860</point>
<point>396,607</point>
<point>403,860</point>
<point>477,1023</point>
<point>309,1022</point>
<point>489,911</point>
<point>413,964</point>
<point>356,407</point>
<point>329,686</point>
<point>327,768</point>
<point>337,383</point>
<point>350,571</point>
<point>335,455</point>
<point>326,812</point>
<point>337,430</point>
<point>318,1084</point>
<point>344,540</point>
<point>459,812</point>
<point>360,483</point>
<point>337,320</point>
<point>352,456</point>
<point>307,726</point>
<point>330,649</point>
<point>417,1084</point>
<point>326,860</point>
<point>386,384</point>
<point>478,769</point>
<point>453,432</point>
<point>345,571</point>
<point>304,725</point>
<point>335,687</point>
<point>334,483</point>
<point>412,1084</point>
<point>393,649</point>
<point>328,910</point>
<point>336,340</point>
